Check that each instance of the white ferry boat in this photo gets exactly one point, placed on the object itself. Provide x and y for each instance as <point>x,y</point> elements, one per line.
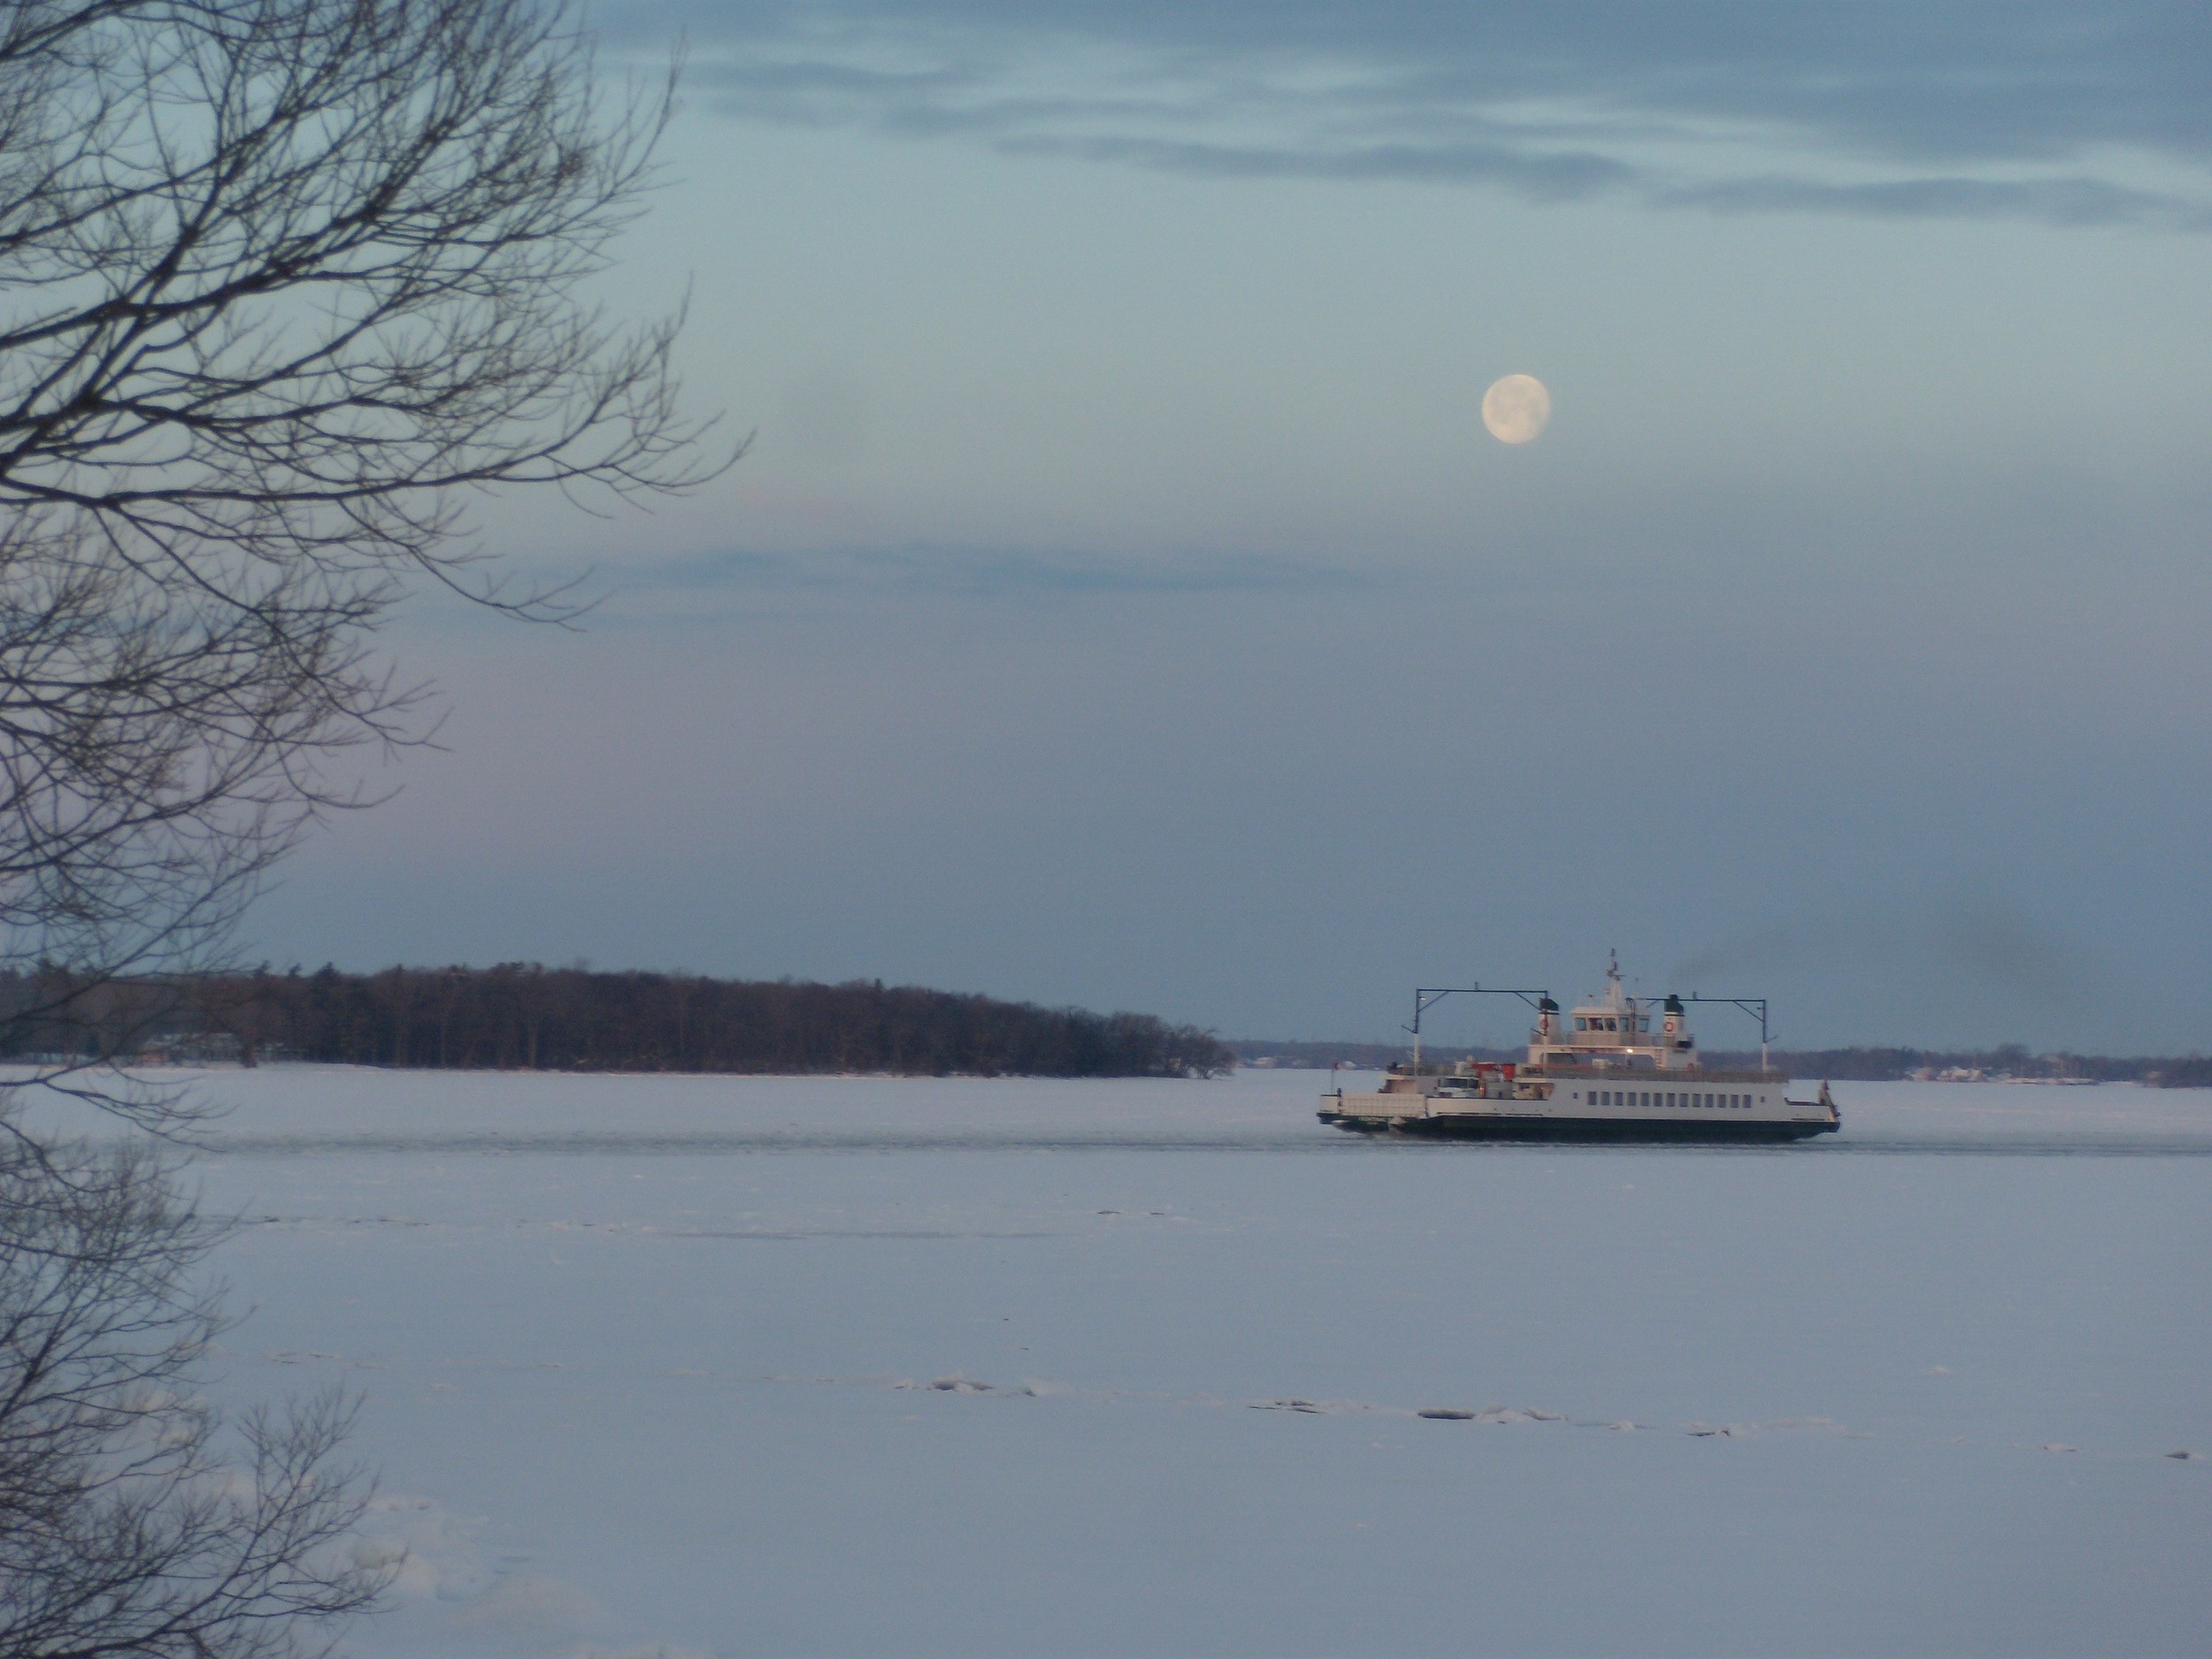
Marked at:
<point>1600,1073</point>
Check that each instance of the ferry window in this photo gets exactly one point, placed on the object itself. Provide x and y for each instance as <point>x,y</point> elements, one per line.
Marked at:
<point>1612,1024</point>
<point>1581,1024</point>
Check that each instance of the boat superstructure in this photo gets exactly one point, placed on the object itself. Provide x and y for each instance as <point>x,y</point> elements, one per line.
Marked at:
<point>1617,1067</point>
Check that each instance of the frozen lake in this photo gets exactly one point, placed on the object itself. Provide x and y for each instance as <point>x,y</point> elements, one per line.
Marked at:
<point>860,1366</point>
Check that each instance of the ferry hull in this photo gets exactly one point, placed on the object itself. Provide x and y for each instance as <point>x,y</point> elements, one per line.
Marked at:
<point>1537,1126</point>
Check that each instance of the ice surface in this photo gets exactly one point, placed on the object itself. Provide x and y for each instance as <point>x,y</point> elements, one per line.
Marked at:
<point>861,1366</point>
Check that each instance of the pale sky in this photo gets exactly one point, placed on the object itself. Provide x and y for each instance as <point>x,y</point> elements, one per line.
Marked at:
<point>1123,604</point>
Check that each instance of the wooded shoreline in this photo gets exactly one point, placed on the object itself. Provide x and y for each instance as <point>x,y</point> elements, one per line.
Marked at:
<point>524,1017</point>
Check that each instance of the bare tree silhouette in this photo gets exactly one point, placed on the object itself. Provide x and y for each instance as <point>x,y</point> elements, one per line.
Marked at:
<point>284,285</point>
<point>128,1526</point>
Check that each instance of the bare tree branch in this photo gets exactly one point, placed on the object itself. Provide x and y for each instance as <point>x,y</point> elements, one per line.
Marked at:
<point>284,285</point>
<point>125,1527</point>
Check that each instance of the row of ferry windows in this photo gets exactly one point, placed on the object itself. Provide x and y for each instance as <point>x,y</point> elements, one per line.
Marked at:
<point>1664,1097</point>
<point>1611,1022</point>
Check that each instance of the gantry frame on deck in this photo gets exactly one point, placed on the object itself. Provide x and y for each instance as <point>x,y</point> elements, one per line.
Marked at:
<point>1428,996</point>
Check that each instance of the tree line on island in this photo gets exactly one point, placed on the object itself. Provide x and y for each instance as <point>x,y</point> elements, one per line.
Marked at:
<point>2008,1062</point>
<point>524,1017</point>
<point>527,1016</point>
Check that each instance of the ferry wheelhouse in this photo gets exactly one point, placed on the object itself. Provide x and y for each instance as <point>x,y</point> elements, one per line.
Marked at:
<point>1617,1067</point>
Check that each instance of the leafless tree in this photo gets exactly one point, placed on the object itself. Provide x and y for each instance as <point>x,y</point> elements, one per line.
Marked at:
<point>125,1527</point>
<point>284,285</point>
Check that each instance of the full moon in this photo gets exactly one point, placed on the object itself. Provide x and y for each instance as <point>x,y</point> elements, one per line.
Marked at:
<point>1516,408</point>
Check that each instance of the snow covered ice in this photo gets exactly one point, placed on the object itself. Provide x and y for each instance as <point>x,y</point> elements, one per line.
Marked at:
<point>862,1366</point>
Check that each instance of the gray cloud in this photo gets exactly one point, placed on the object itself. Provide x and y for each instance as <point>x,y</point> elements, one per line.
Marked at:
<point>2034,109</point>
<point>2064,201</point>
<point>968,572</point>
<point>1542,177</point>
